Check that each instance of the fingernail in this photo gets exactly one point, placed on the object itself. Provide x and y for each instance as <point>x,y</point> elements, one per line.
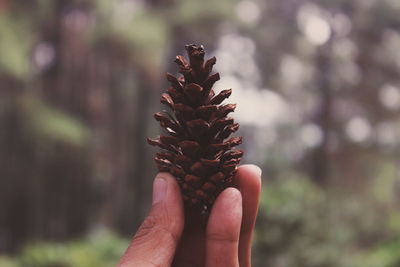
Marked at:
<point>159,189</point>
<point>255,169</point>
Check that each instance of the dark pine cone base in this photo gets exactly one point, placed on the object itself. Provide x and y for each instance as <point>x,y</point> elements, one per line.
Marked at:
<point>195,146</point>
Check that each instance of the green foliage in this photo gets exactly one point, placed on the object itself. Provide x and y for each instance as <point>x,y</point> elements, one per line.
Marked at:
<point>100,249</point>
<point>15,45</point>
<point>49,123</point>
<point>386,255</point>
<point>145,33</point>
<point>382,186</point>
<point>188,11</point>
<point>7,262</point>
<point>150,44</point>
<point>301,224</point>
<point>293,209</point>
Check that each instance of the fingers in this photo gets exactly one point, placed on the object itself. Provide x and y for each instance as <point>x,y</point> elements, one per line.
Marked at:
<point>248,181</point>
<point>155,242</point>
<point>223,230</point>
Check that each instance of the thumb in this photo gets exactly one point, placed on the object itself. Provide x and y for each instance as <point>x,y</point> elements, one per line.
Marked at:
<point>155,242</point>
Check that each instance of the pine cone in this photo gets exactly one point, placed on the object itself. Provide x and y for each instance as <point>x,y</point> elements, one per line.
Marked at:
<point>195,148</point>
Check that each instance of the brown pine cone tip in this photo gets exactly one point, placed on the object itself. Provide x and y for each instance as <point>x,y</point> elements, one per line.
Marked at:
<point>195,147</point>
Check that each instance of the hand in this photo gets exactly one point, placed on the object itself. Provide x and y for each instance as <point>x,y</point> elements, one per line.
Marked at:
<point>171,237</point>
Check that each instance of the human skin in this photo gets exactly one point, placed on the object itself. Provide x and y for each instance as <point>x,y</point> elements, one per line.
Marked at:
<point>172,236</point>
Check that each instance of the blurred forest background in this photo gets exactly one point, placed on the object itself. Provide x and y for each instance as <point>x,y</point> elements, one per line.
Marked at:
<point>317,84</point>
